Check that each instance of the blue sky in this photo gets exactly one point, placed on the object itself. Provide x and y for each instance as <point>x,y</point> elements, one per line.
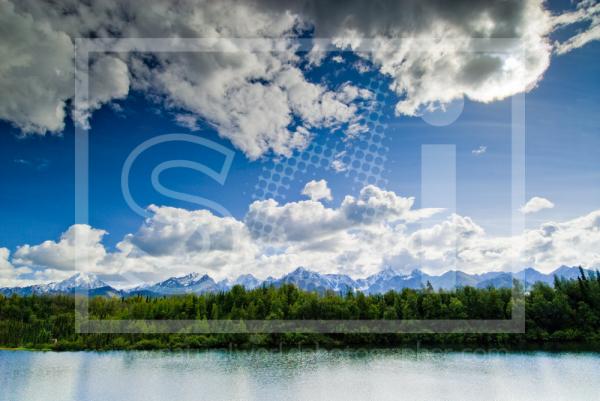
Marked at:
<point>562,160</point>
<point>37,161</point>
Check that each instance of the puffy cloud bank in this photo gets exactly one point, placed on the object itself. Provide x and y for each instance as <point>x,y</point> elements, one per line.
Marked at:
<point>262,101</point>
<point>359,237</point>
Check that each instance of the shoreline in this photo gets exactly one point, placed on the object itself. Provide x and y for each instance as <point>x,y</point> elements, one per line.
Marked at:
<point>306,347</point>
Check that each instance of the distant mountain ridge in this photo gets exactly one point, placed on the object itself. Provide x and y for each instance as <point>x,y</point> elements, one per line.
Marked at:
<point>80,282</point>
<point>385,280</point>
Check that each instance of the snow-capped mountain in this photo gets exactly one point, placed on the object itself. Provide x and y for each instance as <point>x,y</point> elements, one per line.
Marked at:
<point>305,279</point>
<point>389,279</point>
<point>80,282</point>
<point>386,280</point>
<point>247,281</point>
<point>192,283</point>
<point>312,281</point>
<point>341,283</point>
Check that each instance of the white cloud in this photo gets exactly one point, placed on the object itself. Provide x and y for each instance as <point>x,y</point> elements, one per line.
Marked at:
<point>175,241</point>
<point>260,100</point>
<point>535,205</point>
<point>79,239</point>
<point>311,220</point>
<point>36,71</point>
<point>8,274</point>
<point>188,121</point>
<point>362,235</point>
<point>253,97</point>
<point>428,71</point>
<point>172,231</point>
<point>108,81</point>
<point>294,221</point>
<point>588,11</point>
<point>361,66</point>
<point>338,166</point>
<point>479,151</point>
<point>317,190</point>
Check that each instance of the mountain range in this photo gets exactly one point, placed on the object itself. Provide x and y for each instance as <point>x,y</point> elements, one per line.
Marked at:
<point>381,282</point>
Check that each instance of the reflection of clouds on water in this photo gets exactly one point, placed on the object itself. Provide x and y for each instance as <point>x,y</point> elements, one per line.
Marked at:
<point>307,374</point>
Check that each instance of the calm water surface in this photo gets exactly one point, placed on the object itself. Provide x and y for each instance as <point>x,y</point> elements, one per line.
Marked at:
<point>298,375</point>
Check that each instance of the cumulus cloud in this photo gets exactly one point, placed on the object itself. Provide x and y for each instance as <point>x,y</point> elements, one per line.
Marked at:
<point>258,99</point>
<point>8,273</point>
<point>362,235</point>
<point>354,237</point>
<point>312,221</point>
<point>535,205</point>
<point>175,241</point>
<point>172,230</point>
<point>79,241</point>
<point>317,190</point>
<point>405,42</point>
<point>262,100</point>
<point>108,81</point>
<point>36,71</point>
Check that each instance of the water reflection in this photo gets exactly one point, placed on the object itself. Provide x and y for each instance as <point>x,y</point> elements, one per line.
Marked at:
<point>293,375</point>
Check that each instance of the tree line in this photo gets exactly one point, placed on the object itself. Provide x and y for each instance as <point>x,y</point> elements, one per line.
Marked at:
<point>566,313</point>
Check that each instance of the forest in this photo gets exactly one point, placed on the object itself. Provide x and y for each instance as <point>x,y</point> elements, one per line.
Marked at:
<point>565,314</point>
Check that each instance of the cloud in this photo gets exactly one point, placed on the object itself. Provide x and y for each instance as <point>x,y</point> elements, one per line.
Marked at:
<point>175,241</point>
<point>479,151</point>
<point>588,11</point>
<point>108,81</point>
<point>259,100</point>
<point>535,205</point>
<point>361,236</point>
<point>188,121</point>
<point>361,66</point>
<point>311,220</point>
<point>79,239</point>
<point>338,166</point>
<point>404,42</point>
<point>354,237</point>
<point>262,101</point>
<point>8,273</point>
<point>317,190</point>
<point>172,230</point>
<point>38,163</point>
<point>36,72</point>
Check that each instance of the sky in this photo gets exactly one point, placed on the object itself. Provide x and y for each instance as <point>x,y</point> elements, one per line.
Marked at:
<point>391,148</point>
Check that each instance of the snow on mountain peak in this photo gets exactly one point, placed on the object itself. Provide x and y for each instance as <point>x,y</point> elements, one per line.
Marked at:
<point>81,280</point>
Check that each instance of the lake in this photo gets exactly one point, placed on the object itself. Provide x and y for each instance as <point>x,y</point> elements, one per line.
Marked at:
<point>298,375</point>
